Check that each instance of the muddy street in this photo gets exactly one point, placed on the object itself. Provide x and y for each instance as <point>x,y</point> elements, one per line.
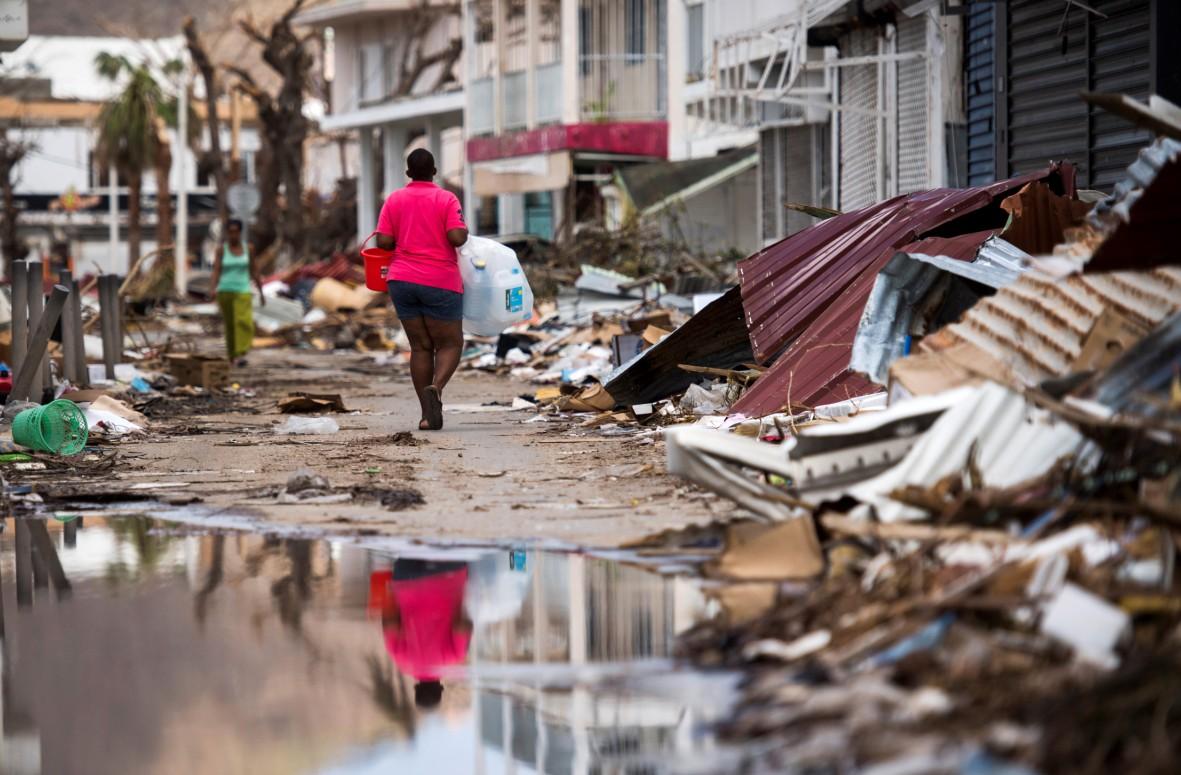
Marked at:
<point>490,475</point>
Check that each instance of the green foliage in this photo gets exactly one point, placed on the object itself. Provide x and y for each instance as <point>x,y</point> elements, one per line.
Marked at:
<point>127,124</point>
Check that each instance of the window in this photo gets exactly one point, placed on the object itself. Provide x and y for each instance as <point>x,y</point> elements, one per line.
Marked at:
<point>695,50</point>
<point>370,75</point>
<point>636,30</point>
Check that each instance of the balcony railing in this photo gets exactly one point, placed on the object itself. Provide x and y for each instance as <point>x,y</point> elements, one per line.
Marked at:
<point>622,87</point>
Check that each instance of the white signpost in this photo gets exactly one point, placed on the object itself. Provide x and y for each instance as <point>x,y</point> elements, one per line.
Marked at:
<point>14,24</point>
<point>244,199</point>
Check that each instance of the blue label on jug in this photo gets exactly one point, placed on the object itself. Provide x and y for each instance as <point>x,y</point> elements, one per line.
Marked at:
<point>514,299</point>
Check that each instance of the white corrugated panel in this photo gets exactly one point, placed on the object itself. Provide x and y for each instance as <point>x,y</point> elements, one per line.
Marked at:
<point>860,155</point>
<point>913,88</point>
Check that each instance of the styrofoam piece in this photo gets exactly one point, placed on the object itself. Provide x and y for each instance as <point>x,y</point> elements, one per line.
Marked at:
<point>1087,623</point>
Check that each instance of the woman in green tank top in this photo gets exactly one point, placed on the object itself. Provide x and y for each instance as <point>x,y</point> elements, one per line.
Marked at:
<point>233,271</point>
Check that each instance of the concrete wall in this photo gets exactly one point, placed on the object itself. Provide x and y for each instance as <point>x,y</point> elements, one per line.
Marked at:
<point>718,220</point>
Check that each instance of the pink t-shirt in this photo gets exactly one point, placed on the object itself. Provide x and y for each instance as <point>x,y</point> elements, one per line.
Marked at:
<point>418,217</point>
<point>428,639</point>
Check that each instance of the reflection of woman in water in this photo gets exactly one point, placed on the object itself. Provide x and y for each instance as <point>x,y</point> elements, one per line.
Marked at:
<point>423,621</point>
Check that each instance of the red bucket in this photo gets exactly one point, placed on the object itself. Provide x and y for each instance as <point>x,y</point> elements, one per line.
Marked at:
<point>377,263</point>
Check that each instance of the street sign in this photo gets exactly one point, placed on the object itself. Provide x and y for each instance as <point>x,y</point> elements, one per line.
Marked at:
<point>243,199</point>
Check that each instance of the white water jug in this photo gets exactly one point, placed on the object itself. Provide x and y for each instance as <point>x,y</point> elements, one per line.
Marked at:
<point>496,294</point>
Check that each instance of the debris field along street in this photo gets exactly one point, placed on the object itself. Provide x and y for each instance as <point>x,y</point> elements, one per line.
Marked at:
<point>573,387</point>
<point>487,476</point>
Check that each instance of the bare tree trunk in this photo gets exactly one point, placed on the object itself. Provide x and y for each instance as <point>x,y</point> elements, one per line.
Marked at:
<point>163,193</point>
<point>11,154</point>
<point>212,119</point>
<point>135,184</point>
<point>285,130</point>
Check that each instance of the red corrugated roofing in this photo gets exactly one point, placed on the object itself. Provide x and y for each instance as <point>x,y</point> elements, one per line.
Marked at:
<point>814,370</point>
<point>787,285</point>
<point>809,290</point>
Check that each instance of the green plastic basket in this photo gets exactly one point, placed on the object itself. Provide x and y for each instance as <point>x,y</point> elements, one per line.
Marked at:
<point>58,427</point>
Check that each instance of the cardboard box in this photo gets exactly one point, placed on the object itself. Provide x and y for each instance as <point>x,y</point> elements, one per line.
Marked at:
<point>199,370</point>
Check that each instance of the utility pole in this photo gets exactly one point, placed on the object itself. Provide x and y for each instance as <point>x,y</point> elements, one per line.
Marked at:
<point>181,250</point>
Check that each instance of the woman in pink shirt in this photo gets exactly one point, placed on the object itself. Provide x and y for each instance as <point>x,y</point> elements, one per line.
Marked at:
<point>423,225</point>
<point>422,619</point>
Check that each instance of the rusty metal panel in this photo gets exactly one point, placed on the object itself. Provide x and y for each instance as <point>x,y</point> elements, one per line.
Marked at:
<point>786,286</point>
<point>1037,326</point>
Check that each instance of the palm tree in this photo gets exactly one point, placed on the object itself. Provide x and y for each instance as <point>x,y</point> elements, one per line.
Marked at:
<point>131,138</point>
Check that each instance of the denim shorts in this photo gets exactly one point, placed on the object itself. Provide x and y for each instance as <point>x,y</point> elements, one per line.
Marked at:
<point>412,300</point>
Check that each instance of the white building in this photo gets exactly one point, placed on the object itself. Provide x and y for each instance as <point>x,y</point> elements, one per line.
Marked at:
<point>51,95</point>
<point>394,67</point>
<point>850,110</point>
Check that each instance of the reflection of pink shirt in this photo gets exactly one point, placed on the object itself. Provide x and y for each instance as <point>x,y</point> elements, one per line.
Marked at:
<point>428,638</point>
<point>418,218</point>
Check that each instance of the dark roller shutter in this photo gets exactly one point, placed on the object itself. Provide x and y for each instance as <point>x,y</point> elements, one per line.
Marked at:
<point>979,88</point>
<point>1120,62</point>
<point>1040,116</point>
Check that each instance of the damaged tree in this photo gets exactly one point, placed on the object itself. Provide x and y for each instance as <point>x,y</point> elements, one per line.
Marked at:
<point>215,158</point>
<point>12,152</point>
<point>415,61</point>
<point>285,129</point>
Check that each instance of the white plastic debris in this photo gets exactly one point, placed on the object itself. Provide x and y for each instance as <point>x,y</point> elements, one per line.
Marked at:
<point>788,652</point>
<point>1087,623</point>
<point>703,401</point>
<point>516,357</point>
<point>308,426</point>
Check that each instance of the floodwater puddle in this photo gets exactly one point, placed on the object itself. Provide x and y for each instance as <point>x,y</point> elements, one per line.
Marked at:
<point>134,645</point>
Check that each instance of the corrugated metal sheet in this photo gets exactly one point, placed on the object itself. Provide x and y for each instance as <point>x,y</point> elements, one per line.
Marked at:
<point>1037,326</point>
<point>715,337</point>
<point>980,90</point>
<point>1140,218</point>
<point>786,286</point>
<point>814,370</point>
<point>902,287</point>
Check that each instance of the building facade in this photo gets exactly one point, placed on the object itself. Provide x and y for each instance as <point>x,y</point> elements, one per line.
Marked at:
<point>395,69</point>
<point>51,97</point>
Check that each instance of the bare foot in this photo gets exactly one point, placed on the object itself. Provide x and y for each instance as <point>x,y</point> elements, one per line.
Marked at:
<point>424,425</point>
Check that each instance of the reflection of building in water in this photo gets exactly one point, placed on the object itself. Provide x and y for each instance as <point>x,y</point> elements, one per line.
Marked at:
<point>583,611</point>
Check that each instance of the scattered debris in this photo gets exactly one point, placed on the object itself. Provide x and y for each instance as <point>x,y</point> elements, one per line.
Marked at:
<point>311,403</point>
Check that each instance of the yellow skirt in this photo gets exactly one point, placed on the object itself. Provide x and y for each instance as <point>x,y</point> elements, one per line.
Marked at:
<point>237,313</point>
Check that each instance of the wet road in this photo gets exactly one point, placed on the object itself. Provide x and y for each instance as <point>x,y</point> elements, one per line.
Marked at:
<point>159,648</point>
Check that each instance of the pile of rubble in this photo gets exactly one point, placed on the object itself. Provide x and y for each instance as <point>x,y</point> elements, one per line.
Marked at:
<point>961,453</point>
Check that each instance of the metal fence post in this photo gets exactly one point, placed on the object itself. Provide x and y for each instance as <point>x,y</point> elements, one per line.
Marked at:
<point>20,315</point>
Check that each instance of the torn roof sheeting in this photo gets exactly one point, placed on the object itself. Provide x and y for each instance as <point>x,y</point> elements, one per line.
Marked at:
<point>1038,325</point>
<point>1140,217</point>
<point>786,286</point>
<point>816,368</point>
<point>904,286</point>
<point>713,337</point>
